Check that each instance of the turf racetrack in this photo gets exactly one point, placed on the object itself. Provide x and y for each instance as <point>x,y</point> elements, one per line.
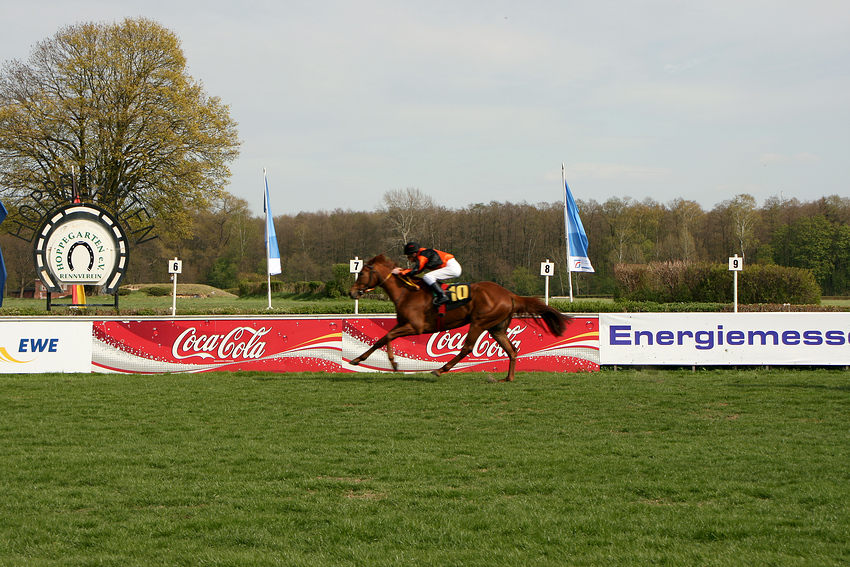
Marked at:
<point>716,467</point>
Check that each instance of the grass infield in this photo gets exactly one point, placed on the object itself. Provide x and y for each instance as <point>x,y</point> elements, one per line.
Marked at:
<point>715,467</point>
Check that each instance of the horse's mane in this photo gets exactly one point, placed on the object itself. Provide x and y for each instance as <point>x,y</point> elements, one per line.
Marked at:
<point>381,259</point>
<point>412,282</point>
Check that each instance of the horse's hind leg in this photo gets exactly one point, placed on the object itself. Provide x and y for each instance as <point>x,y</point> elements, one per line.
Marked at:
<point>499,332</point>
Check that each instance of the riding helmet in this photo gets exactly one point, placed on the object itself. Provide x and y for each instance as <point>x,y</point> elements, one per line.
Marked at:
<point>411,248</point>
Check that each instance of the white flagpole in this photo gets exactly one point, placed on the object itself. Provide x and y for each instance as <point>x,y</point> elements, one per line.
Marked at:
<point>268,242</point>
<point>567,230</point>
<point>269,285</point>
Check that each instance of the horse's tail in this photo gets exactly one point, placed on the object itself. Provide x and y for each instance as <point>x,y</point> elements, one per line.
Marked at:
<point>553,319</point>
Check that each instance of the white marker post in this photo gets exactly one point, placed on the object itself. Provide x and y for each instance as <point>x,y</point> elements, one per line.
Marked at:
<point>736,265</point>
<point>547,269</point>
<point>354,266</point>
<point>175,267</point>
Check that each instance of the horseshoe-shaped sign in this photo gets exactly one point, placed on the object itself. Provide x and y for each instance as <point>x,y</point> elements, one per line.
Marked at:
<point>88,248</point>
<point>81,244</point>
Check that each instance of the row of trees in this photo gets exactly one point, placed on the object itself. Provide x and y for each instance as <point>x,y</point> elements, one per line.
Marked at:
<point>505,242</point>
<point>501,242</point>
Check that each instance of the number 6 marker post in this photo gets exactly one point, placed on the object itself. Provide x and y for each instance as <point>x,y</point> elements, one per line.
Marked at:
<point>175,267</point>
<point>547,268</point>
<point>354,266</point>
<point>736,265</point>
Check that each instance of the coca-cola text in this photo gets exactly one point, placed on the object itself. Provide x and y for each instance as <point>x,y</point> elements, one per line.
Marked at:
<point>450,342</point>
<point>230,346</point>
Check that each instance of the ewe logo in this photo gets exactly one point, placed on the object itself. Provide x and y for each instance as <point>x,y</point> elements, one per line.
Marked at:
<point>45,346</point>
<point>6,357</point>
<point>27,347</point>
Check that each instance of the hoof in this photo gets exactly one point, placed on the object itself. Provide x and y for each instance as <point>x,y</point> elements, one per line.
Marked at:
<point>436,373</point>
<point>355,362</point>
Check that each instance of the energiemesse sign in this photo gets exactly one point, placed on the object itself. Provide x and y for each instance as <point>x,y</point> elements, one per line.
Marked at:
<point>815,339</point>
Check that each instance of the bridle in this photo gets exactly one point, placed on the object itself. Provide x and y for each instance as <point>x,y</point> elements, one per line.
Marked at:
<point>372,270</point>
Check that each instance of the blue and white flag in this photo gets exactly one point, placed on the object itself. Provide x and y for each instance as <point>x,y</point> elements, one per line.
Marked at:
<point>576,237</point>
<point>272,251</point>
<point>2,264</point>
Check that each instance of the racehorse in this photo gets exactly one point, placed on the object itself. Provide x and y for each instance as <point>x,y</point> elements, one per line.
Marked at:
<point>490,308</point>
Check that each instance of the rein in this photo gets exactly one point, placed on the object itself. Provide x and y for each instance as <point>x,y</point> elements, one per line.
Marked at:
<point>406,281</point>
<point>379,275</point>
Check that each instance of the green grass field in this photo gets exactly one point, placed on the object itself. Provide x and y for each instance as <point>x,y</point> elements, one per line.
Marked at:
<point>634,467</point>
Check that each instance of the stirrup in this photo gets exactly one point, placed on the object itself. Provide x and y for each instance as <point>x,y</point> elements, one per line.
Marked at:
<point>440,296</point>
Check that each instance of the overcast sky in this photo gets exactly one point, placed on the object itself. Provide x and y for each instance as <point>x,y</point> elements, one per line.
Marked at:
<point>476,101</point>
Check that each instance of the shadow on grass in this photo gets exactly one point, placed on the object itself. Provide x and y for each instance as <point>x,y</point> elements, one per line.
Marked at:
<point>792,386</point>
<point>384,377</point>
<point>365,377</point>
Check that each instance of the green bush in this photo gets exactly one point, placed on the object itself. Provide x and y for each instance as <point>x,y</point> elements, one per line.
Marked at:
<point>526,282</point>
<point>341,282</point>
<point>711,283</point>
<point>253,288</point>
<point>680,282</point>
<point>158,291</point>
<point>222,274</point>
<point>777,284</point>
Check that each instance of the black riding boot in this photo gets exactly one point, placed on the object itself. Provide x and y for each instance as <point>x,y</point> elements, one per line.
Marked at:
<point>441,295</point>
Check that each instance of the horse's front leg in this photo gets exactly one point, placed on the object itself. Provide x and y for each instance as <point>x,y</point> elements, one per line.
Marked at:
<point>468,345</point>
<point>378,344</point>
<point>395,332</point>
<point>390,356</point>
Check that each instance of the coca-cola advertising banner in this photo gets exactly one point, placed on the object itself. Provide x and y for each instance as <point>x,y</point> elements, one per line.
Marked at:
<point>197,345</point>
<point>299,344</point>
<point>577,350</point>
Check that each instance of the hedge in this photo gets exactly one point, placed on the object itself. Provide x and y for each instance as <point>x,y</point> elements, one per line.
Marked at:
<point>689,282</point>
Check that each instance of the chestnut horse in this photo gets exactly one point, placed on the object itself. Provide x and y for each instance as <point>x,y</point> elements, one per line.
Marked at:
<point>490,308</point>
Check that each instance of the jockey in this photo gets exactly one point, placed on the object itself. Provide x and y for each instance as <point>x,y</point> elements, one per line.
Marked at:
<point>443,266</point>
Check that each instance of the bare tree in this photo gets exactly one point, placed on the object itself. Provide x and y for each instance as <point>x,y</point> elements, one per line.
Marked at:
<point>624,237</point>
<point>407,211</point>
<point>744,215</point>
<point>686,214</point>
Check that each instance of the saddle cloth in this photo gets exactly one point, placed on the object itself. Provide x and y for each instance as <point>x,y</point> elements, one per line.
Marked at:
<point>458,297</point>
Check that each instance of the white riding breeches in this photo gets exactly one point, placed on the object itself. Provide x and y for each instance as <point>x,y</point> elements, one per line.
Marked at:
<point>451,270</point>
